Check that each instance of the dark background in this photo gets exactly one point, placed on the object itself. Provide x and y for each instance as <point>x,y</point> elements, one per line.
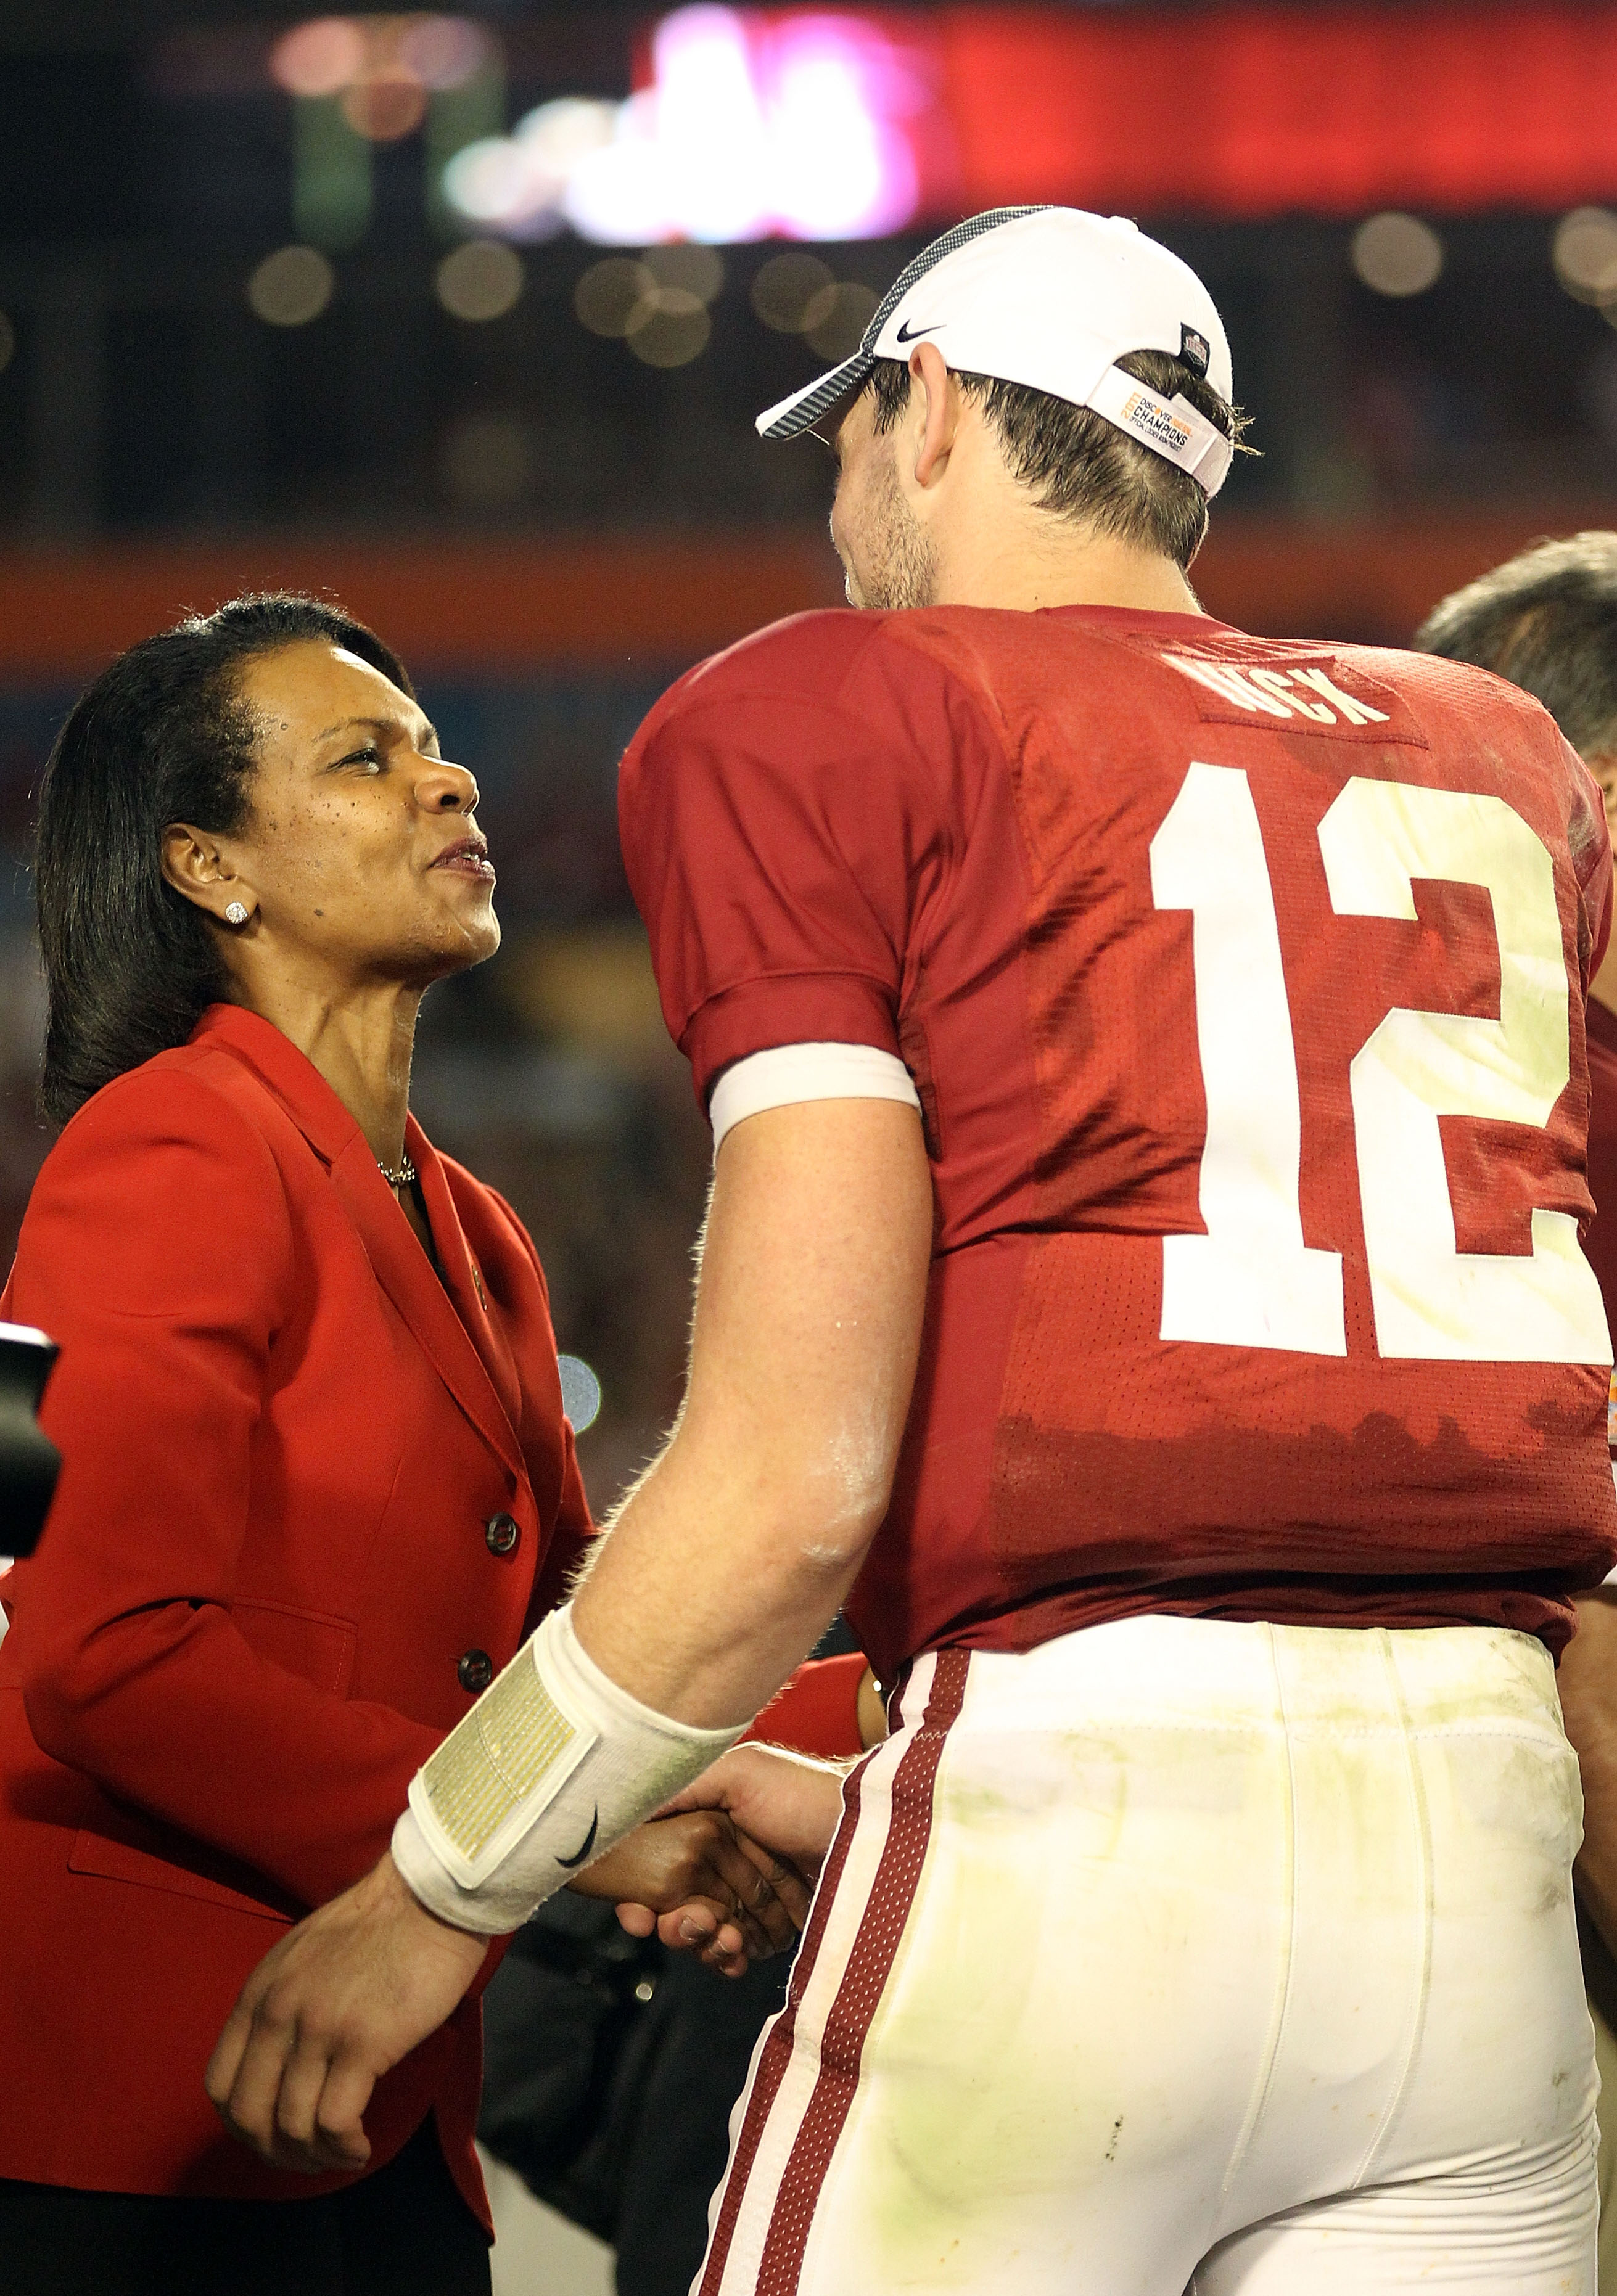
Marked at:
<point>549,528</point>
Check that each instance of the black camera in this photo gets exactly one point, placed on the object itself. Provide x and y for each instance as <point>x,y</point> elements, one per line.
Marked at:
<point>30,1462</point>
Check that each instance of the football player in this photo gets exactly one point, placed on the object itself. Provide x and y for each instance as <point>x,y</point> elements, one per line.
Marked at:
<point>1546,619</point>
<point>1143,1285</point>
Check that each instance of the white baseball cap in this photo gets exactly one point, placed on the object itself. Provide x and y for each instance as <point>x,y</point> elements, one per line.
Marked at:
<point>1051,297</point>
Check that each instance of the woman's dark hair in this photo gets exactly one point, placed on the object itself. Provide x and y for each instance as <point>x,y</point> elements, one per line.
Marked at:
<point>163,735</point>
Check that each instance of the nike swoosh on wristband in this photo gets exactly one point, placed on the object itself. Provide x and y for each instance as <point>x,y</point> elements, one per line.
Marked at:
<point>910,334</point>
<point>580,1856</point>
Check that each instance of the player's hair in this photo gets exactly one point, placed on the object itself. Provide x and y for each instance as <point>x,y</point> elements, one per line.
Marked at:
<point>1079,465</point>
<point>1546,620</point>
<point>161,736</point>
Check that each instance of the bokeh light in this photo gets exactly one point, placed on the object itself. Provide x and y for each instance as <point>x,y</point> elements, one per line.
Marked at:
<point>385,106</point>
<point>292,286</point>
<point>480,280</point>
<point>444,52</point>
<point>754,125</point>
<point>611,292</point>
<point>1584,251</point>
<point>516,183</point>
<point>695,270</point>
<point>669,328</point>
<point>837,330</point>
<point>383,69</point>
<point>1396,254</point>
<point>319,58</point>
<point>793,292</point>
<point>580,1393</point>
<point>657,304</point>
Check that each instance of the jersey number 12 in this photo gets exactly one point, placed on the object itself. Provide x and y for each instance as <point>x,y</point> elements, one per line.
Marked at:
<point>1252,1281</point>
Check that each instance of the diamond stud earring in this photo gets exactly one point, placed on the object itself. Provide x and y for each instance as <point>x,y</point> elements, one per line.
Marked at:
<point>236,912</point>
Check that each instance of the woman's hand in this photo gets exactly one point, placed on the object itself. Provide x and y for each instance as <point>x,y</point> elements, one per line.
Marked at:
<point>692,1878</point>
<point>327,2012</point>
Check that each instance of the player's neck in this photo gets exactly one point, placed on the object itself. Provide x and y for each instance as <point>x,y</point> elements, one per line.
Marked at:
<point>1030,564</point>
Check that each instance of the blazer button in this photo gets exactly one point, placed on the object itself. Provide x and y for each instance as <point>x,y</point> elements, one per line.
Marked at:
<point>476,1671</point>
<point>502,1532</point>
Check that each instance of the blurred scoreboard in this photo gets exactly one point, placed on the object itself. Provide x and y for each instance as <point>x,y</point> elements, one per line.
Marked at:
<point>848,122</point>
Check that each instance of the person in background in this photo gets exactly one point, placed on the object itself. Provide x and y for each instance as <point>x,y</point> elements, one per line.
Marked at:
<point>316,1481</point>
<point>1546,620</point>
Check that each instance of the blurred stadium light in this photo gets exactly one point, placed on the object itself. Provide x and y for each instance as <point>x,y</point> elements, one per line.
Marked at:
<point>580,1393</point>
<point>794,123</point>
<point>800,123</point>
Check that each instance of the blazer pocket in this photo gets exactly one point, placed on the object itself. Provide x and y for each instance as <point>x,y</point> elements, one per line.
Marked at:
<point>311,1644</point>
<point>113,1858</point>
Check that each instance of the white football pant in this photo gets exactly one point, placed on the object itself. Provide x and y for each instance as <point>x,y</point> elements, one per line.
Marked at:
<point>1181,1955</point>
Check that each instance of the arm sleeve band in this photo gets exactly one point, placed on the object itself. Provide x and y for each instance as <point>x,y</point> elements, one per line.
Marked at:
<point>788,1073</point>
<point>552,1765</point>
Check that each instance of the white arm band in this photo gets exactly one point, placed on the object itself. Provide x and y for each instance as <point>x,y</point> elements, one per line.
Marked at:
<point>788,1073</point>
<point>552,1765</point>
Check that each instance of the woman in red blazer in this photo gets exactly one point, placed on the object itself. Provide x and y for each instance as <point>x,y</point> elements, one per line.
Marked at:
<point>316,1482</point>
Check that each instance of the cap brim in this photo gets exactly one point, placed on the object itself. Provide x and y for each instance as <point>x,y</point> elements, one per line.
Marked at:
<point>819,404</point>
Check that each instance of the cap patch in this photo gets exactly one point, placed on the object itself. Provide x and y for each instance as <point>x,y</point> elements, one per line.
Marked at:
<point>1172,426</point>
<point>1145,415</point>
<point>1195,350</point>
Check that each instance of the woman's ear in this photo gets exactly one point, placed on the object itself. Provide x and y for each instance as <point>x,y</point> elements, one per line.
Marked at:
<point>195,865</point>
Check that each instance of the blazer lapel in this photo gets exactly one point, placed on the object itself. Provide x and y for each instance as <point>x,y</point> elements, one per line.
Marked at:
<point>462,1274</point>
<point>406,1274</point>
<point>400,1264</point>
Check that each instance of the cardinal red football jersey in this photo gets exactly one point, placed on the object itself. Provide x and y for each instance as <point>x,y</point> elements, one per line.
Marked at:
<point>1242,982</point>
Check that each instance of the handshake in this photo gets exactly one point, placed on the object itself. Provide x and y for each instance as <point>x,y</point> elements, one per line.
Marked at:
<point>724,1871</point>
<point>728,1869</point>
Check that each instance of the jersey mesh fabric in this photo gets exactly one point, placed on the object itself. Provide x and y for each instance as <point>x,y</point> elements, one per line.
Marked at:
<point>931,832</point>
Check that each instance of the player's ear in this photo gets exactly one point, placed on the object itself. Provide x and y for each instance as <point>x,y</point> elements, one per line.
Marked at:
<point>935,401</point>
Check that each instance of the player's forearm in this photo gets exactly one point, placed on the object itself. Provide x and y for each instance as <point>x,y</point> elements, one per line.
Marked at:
<point>715,1583</point>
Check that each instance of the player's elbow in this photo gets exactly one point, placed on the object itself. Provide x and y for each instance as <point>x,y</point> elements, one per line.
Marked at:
<point>825,1524</point>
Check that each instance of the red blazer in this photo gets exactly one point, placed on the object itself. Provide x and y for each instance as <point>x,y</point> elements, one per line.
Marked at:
<point>289,1456</point>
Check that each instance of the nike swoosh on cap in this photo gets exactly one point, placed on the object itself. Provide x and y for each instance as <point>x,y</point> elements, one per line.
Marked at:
<point>580,1856</point>
<point>908,334</point>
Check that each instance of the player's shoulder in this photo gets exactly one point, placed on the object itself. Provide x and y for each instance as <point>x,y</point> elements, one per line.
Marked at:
<point>841,702</point>
<point>1456,690</point>
<point>832,657</point>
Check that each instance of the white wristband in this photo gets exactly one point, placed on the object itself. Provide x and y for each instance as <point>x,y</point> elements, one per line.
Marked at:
<point>552,1765</point>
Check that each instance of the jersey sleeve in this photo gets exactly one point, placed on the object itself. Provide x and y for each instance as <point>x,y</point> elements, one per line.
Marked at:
<point>787,1074</point>
<point>784,828</point>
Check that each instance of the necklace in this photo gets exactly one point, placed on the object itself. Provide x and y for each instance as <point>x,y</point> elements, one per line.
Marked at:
<point>401,1174</point>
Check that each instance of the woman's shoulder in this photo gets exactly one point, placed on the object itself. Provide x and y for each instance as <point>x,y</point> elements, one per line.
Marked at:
<point>182,1144</point>
<point>161,1190</point>
<point>193,1092</point>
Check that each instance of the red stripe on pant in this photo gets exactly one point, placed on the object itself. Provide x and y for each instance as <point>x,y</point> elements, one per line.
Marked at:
<point>869,1965</point>
<point>777,2049</point>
